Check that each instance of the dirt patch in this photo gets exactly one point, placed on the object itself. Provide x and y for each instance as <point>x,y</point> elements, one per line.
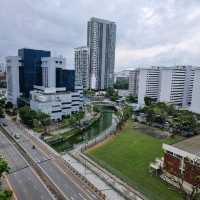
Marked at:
<point>154,132</point>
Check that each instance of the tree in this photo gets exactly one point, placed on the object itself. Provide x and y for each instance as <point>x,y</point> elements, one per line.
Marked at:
<point>127,112</point>
<point>78,116</point>
<point>148,101</point>
<point>27,115</point>
<point>2,103</point>
<point>45,121</point>
<point>112,94</point>
<point>131,99</point>
<point>2,115</point>
<point>184,122</point>
<point>5,194</point>
<point>3,166</point>
<point>95,109</point>
<point>123,114</point>
<point>9,105</point>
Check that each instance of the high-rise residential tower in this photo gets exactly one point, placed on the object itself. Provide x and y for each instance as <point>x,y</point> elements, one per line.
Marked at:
<point>101,39</point>
<point>81,60</point>
<point>13,90</point>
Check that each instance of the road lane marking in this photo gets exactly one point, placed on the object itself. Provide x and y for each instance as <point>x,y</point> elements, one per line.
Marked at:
<point>73,181</point>
<point>40,180</point>
<point>81,196</point>
<point>53,182</point>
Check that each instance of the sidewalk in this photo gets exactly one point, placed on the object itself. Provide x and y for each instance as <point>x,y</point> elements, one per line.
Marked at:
<point>114,182</point>
<point>93,178</point>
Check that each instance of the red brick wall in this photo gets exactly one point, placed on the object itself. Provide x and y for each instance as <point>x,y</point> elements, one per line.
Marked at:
<point>171,164</point>
<point>191,173</point>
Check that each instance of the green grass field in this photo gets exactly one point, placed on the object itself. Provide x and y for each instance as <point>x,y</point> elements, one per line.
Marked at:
<point>129,154</point>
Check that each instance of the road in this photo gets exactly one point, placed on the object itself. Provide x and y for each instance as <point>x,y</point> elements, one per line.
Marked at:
<point>51,164</point>
<point>22,178</point>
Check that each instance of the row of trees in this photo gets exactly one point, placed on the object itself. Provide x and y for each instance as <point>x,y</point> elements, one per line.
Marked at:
<point>6,107</point>
<point>112,94</point>
<point>76,118</point>
<point>131,99</point>
<point>4,168</point>
<point>34,119</point>
<point>180,121</point>
<point>123,114</point>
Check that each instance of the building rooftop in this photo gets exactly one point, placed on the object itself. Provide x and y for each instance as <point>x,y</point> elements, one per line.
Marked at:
<point>191,145</point>
<point>95,19</point>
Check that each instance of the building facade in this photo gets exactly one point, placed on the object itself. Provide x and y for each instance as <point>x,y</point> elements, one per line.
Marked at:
<point>55,102</point>
<point>65,78</point>
<point>195,105</point>
<point>101,39</point>
<point>182,161</point>
<point>13,64</point>
<point>2,68</point>
<point>165,84</point>
<point>148,83</point>
<point>176,84</point>
<point>81,60</point>
<point>133,82</point>
<point>49,65</point>
<point>30,72</point>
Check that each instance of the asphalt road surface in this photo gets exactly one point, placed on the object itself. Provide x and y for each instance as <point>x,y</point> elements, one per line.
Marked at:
<point>24,182</point>
<point>27,186</point>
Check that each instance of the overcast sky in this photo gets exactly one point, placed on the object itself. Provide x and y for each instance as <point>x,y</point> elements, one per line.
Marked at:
<point>149,32</point>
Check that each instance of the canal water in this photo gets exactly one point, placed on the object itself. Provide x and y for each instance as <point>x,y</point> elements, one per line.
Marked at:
<point>104,122</point>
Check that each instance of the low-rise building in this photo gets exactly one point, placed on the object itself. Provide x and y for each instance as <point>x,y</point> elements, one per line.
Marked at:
<point>182,162</point>
<point>55,102</point>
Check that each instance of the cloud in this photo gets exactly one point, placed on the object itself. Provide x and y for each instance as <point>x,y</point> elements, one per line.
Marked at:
<point>148,32</point>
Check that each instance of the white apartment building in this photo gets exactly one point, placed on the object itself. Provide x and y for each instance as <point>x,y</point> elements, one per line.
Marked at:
<point>49,65</point>
<point>13,91</point>
<point>81,60</point>
<point>195,105</point>
<point>166,84</point>
<point>133,82</point>
<point>148,83</point>
<point>176,85</point>
<point>55,102</point>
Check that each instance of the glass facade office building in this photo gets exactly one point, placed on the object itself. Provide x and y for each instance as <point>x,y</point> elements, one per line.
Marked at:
<point>30,72</point>
<point>65,78</point>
